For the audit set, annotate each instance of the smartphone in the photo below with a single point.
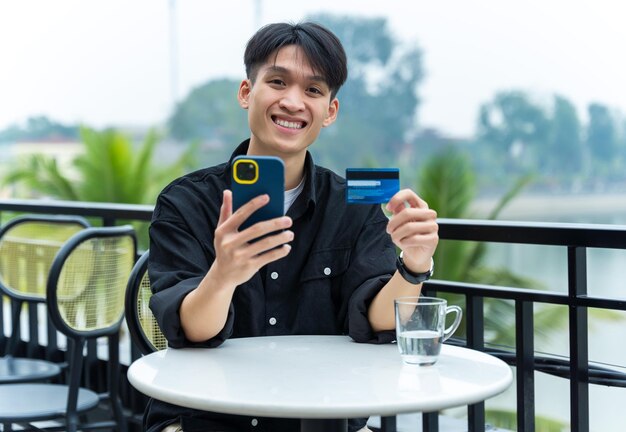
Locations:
(257, 175)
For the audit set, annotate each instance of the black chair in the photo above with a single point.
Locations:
(85, 300)
(28, 245)
(144, 330)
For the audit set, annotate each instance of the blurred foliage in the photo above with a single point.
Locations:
(519, 134)
(447, 182)
(211, 112)
(111, 169)
(601, 135)
(564, 152)
(514, 127)
(604, 141)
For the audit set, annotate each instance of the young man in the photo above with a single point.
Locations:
(331, 269)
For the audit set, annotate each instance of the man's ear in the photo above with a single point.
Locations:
(333, 110)
(243, 94)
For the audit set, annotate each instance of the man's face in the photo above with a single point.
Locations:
(287, 106)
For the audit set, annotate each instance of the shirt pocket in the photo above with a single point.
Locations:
(326, 264)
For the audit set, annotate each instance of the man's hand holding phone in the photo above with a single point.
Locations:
(240, 254)
(238, 257)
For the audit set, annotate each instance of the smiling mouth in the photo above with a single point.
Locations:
(288, 124)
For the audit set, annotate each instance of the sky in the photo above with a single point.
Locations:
(108, 62)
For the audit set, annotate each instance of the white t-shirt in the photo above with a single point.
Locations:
(292, 194)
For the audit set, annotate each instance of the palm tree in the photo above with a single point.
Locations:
(110, 169)
(448, 183)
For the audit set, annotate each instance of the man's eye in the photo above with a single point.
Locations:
(315, 90)
(277, 82)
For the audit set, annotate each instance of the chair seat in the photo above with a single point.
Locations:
(17, 370)
(33, 402)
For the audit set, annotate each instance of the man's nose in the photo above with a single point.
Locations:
(292, 100)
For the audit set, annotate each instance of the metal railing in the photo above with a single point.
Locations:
(575, 238)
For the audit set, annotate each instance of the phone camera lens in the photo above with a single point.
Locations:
(246, 171)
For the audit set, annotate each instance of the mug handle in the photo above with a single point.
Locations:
(457, 320)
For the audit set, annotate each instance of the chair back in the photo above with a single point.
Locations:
(28, 245)
(142, 325)
(87, 282)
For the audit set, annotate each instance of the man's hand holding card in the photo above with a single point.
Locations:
(412, 226)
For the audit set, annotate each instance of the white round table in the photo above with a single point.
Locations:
(316, 377)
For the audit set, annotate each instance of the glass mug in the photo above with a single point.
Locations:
(421, 327)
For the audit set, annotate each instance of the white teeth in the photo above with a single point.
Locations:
(287, 124)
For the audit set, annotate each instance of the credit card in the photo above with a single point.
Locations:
(371, 185)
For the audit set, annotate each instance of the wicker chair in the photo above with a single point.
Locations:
(85, 300)
(28, 245)
(144, 330)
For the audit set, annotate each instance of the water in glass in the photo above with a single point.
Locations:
(419, 346)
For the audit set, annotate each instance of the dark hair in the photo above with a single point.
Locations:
(321, 47)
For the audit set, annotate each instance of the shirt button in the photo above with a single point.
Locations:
(272, 321)
(254, 422)
(274, 275)
(327, 271)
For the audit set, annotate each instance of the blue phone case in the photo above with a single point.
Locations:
(270, 179)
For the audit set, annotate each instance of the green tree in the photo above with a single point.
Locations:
(622, 146)
(515, 129)
(211, 113)
(564, 153)
(601, 134)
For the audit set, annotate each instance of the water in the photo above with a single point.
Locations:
(419, 346)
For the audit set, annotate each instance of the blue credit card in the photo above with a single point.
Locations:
(371, 185)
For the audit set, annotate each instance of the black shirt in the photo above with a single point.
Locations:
(341, 257)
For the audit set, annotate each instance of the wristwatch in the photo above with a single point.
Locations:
(411, 277)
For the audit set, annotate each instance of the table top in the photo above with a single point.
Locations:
(316, 377)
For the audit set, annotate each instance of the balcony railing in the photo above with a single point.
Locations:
(576, 239)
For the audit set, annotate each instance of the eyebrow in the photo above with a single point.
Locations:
(285, 71)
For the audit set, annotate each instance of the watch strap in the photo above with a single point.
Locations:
(412, 277)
